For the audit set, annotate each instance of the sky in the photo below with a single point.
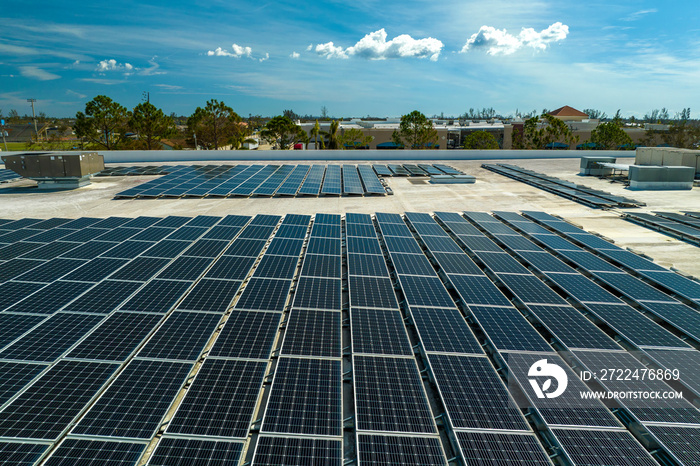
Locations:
(356, 58)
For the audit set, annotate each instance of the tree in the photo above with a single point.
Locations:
(103, 122)
(151, 125)
(610, 135)
(480, 140)
(315, 132)
(216, 125)
(682, 134)
(540, 131)
(353, 138)
(332, 135)
(282, 131)
(324, 112)
(415, 132)
(595, 114)
(291, 115)
(13, 116)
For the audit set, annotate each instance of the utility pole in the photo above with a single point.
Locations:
(36, 131)
(147, 96)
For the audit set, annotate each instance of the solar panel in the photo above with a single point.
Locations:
(291, 231)
(378, 450)
(264, 294)
(323, 230)
(95, 270)
(206, 248)
(15, 376)
(508, 329)
(474, 395)
(321, 265)
(457, 263)
(444, 330)
(291, 451)
(89, 250)
(351, 180)
(360, 230)
(203, 221)
(389, 396)
(47, 236)
(544, 262)
(396, 229)
(382, 170)
(245, 247)
(412, 264)
(228, 388)
(632, 287)
(572, 328)
(47, 408)
(501, 262)
(232, 221)
(104, 297)
(122, 233)
(530, 289)
(136, 401)
(49, 299)
(284, 247)
(182, 336)
(312, 183)
(384, 218)
(305, 398)
(327, 219)
(130, 249)
(370, 181)
(21, 454)
(332, 181)
(318, 293)
(377, 331)
(247, 334)
(231, 267)
(682, 442)
(116, 338)
(185, 452)
(74, 451)
(291, 185)
(277, 267)
(12, 326)
(373, 292)
(359, 246)
(51, 338)
(157, 296)
(140, 269)
(479, 243)
(312, 333)
(684, 360)
(210, 295)
(185, 268)
(187, 233)
(50, 270)
(501, 449)
(425, 291)
(474, 289)
(367, 265)
(17, 249)
(151, 234)
(591, 447)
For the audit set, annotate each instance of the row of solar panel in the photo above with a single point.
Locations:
(362, 232)
(580, 193)
(259, 180)
(685, 227)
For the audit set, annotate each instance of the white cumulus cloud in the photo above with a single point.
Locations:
(375, 46)
(500, 42)
(113, 65)
(294, 55)
(237, 51)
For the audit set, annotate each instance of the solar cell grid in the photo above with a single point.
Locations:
(245, 247)
(142, 222)
(326, 219)
(293, 182)
(182, 336)
(18, 235)
(152, 234)
(291, 231)
(360, 230)
(508, 329)
(518, 243)
(49, 251)
(16, 267)
(501, 262)
(596, 447)
(206, 248)
(265, 220)
(321, 265)
(123, 331)
(257, 232)
(318, 293)
(305, 398)
(395, 229)
(312, 333)
(429, 229)
(389, 396)
(232, 221)
(186, 268)
(382, 449)
(425, 291)
(15, 376)
(203, 221)
(231, 267)
(92, 452)
(680, 441)
(130, 249)
(264, 294)
(136, 401)
(351, 180)
(530, 289)
(321, 230)
(89, 250)
(474, 289)
(582, 289)
(400, 244)
(444, 331)
(104, 297)
(372, 292)
(312, 183)
(412, 264)
(13, 292)
(51, 298)
(572, 328)
(51, 338)
(95, 270)
(290, 451)
(479, 243)
(111, 222)
(47, 236)
(21, 454)
(633, 287)
(122, 233)
(379, 332)
(210, 295)
(186, 452)
(677, 283)
(50, 404)
(367, 265)
(441, 244)
(221, 400)
(187, 233)
(282, 267)
(140, 269)
(157, 296)
(50, 270)
(545, 262)
(359, 246)
(17, 249)
(370, 181)
(332, 181)
(247, 334)
(501, 449)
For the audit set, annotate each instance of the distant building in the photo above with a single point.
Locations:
(567, 113)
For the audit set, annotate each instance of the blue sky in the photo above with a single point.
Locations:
(364, 57)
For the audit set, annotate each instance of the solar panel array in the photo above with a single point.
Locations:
(7, 175)
(250, 180)
(576, 192)
(685, 227)
(316, 340)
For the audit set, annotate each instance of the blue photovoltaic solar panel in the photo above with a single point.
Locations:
(501, 449)
(332, 181)
(400, 244)
(312, 183)
(412, 264)
(200, 452)
(245, 247)
(50, 404)
(361, 245)
(457, 263)
(284, 247)
(501, 262)
(367, 264)
(324, 230)
(206, 248)
(186, 268)
(12, 326)
(305, 398)
(318, 293)
(79, 452)
(270, 185)
(229, 388)
(21, 454)
(321, 265)
(327, 219)
(291, 451)
(508, 329)
(51, 270)
(264, 294)
(683, 442)
(157, 296)
(360, 230)
(360, 219)
(233, 221)
(376, 331)
(187, 233)
(370, 180)
(130, 249)
(382, 170)
(89, 250)
(351, 180)
(444, 331)
(136, 401)
(425, 291)
(210, 295)
(140, 269)
(379, 450)
(247, 334)
(530, 289)
(474, 395)
(572, 328)
(617, 447)
(13, 250)
(372, 292)
(282, 267)
(116, 338)
(293, 182)
(51, 298)
(182, 336)
(384, 218)
(312, 333)
(389, 396)
(13, 292)
(291, 231)
(15, 376)
(582, 289)
(231, 267)
(95, 270)
(51, 338)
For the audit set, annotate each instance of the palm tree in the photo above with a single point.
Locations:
(315, 131)
(332, 134)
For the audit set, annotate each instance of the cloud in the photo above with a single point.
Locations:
(374, 46)
(37, 73)
(168, 87)
(75, 94)
(112, 65)
(153, 69)
(637, 15)
(500, 42)
(294, 55)
(236, 52)
(266, 57)
(106, 82)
